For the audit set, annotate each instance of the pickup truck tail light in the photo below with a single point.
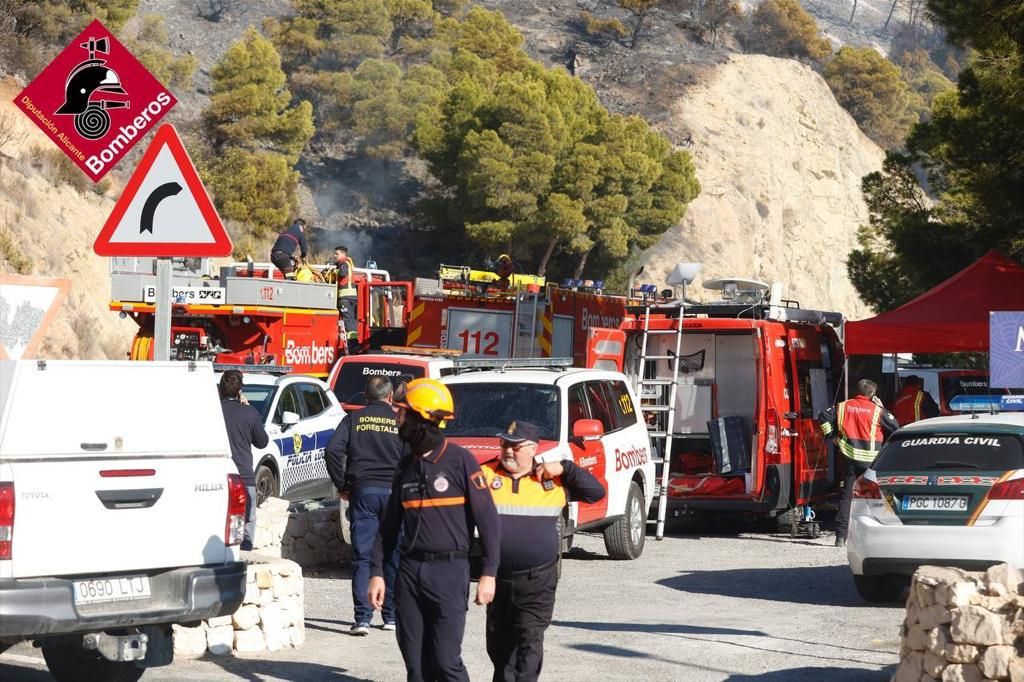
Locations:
(6, 519)
(234, 527)
(866, 489)
(1007, 490)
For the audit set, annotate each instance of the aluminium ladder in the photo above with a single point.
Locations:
(525, 324)
(665, 407)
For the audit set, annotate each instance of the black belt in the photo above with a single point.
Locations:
(528, 572)
(437, 556)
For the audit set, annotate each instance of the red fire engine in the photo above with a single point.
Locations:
(250, 314)
(731, 391)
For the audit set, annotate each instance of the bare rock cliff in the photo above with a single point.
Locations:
(780, 165)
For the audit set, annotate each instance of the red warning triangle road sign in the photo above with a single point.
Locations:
(164, 210)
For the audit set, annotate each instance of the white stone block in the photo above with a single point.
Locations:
(277, 639)
(1017, 670)
(219, 621)
(994, 662)
(962, 672)
(266, 597)
(975, 625)
(917, 639)
(272, 505)
(252, 593)
(934, 664)
(246, 617)
(249, 641)
(1008, 576)
(189, 642)
(934, 616)
(270, 618)
(220, 639)
(264, 577)
(297, 635)
(911, 668)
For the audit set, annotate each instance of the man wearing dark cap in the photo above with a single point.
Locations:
(530, 497)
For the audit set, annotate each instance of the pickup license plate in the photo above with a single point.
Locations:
(103, 590)
(950, 503)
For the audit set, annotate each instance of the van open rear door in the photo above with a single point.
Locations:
(606, 349)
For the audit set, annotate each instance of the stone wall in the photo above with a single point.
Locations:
(270, 618)
(308, 533)
(963, 627)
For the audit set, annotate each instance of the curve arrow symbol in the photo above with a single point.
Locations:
(168, 189)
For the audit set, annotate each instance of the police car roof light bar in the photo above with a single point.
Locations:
(252, 369)
(510, 363)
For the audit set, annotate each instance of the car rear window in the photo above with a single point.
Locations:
(936, 451)
(486, 409)
(352, 378)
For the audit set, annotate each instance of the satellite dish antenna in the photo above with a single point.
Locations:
(738, 289)
(681, 275)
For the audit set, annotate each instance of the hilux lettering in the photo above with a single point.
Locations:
(208, 487)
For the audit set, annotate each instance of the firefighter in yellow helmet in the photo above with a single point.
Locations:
(439, 495)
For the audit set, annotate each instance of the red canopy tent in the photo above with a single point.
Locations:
(951, 317)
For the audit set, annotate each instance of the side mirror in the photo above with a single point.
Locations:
(289, 419)
(587, 429)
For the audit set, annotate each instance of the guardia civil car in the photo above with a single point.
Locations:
(947, 491)
(300, 414)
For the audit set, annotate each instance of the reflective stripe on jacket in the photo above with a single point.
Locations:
(859, 426)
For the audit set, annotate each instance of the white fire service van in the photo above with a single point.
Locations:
(589, 416)
(120, 511)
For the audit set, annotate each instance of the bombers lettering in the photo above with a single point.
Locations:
(951, 440)
(307, 355)
(589, 319)
(127, 133)
(631, 458)
(380, 372)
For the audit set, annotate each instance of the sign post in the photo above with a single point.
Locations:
(164, 212)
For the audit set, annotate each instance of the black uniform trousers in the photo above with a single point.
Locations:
(853, 471)
(431, 599)
(524, 602)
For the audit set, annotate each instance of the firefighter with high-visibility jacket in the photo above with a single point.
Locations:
(859, 426)
(348, 295)
(913, 403)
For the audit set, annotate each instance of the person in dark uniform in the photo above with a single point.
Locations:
(282, 253)
(347, 293)
(859, 426)
(438, 497)
(245, 429)
(530, 498)
(361, 458)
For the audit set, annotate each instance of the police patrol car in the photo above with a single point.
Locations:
(589, 416)
(947, 491)
(300, 414)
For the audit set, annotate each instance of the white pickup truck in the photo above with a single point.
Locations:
(120, 511)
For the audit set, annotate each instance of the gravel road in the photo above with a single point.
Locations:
(703, 607)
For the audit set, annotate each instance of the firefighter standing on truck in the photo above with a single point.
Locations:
(347, 294)
(361, 458)
(438, 496)
(859, 425)
(282, 253)
(530, 498)
(913, 403)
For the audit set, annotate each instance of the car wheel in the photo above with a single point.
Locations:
(880, 589)
(266, 484)
(69, 662)
(625, 538)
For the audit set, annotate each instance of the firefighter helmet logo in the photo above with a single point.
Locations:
(88, 89)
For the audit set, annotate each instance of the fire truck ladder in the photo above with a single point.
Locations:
(525, 324)
(664, 410)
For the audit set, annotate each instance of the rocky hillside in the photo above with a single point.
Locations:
(779, 161)
(780, 165)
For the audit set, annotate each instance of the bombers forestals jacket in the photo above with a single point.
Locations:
(365, 449)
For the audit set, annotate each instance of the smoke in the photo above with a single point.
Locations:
(360, 245)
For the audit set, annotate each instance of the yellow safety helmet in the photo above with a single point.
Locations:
(429, 398)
